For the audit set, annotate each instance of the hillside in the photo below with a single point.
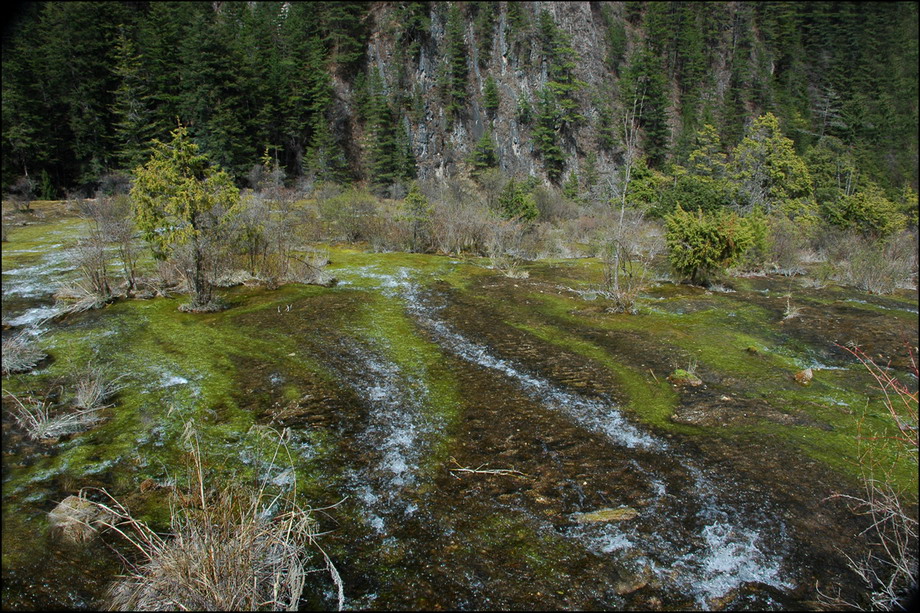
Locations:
(383, 92)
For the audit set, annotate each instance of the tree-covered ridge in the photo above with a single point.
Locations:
(380, 92)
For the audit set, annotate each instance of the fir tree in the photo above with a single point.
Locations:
(455, 58)
(490, 95)
(131, 110)
(483, 155)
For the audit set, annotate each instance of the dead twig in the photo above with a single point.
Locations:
(479, 470)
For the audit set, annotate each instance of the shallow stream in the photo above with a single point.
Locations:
(481, 442)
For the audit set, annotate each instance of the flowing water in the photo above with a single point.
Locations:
(697, 543)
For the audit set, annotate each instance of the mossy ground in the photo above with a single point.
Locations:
(267, 363)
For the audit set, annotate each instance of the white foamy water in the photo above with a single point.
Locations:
(34, 316)
(396, 437)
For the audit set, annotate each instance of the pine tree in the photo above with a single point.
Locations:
(133, 124)
(484, 155)
(546, 127)
(455, 57)
(767, 169)
(516, 203)
(417, 212)
(484, 27)
(646, 82)
(490, 95)
(182, 198)
(346, 33)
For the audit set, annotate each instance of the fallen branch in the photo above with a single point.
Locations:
(479, 470)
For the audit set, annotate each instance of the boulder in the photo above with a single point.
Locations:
(73, 518)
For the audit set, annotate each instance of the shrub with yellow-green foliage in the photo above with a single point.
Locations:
(867, 211)
(701, 244)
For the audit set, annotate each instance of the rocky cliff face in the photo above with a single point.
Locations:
(440, 145)
(519, 69)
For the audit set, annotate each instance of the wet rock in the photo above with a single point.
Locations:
(804, 377)
(73, 519)
(634, 582)
(623, 513)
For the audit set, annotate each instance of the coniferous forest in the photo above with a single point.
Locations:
(351, 91)
(460, 305)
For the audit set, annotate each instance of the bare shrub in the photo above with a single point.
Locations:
(21, 193)
(113, 184)
(461, 218)
(889, 571)
(504, 247)
(92, 261)
(345, 213)
(627, 250)
(21, 354)
(385, 230)
(786, 244)
(882, 267)
(553, 206)
(238, 550)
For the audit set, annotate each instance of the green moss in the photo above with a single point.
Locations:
(650, 401)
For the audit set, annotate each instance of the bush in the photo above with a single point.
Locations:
(700, 244)
(786, 243)
(692, 192)
(881, 267)
(347, 213)
(867, 211)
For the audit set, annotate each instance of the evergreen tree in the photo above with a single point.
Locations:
(547, 124)
(484, 155)
(455, 58)
(346, 33)
(182, 198)
(767, 169)
(484, 27)
(516, 203)
(417, 212)
(134, 128)
(645, 82)
(707, 158)
(490, 95)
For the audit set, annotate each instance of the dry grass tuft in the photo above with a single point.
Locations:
(94, 388)
(234, 550)
(20, 354)
(37, 419)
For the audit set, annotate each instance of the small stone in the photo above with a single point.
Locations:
(804, 377)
